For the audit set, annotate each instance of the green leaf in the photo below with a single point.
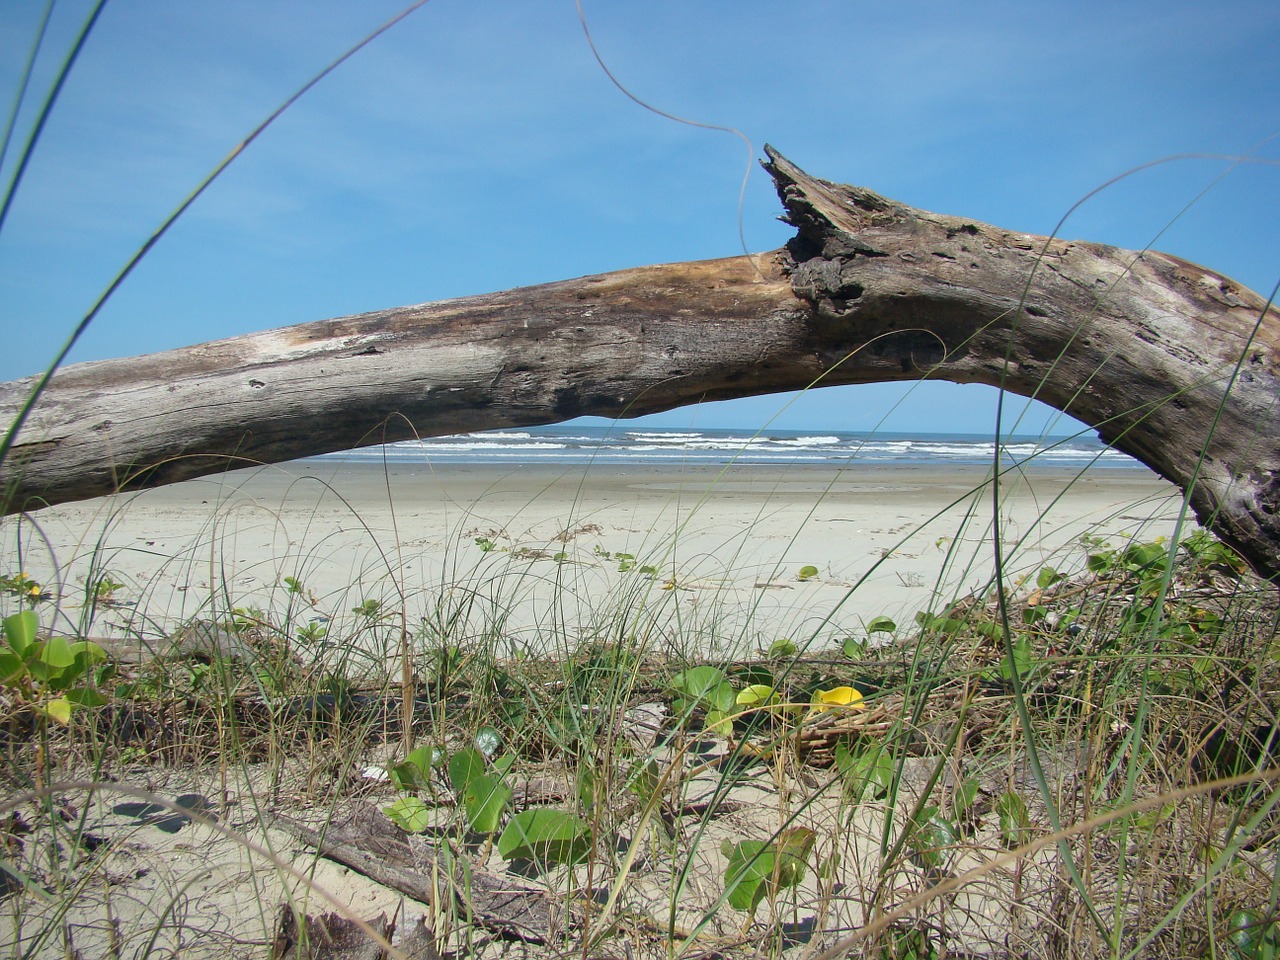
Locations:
(63, 663)
(719, 723)
(853, 648)
(464, 766)
(1021, 650)
(425, 757)
(912, 944)
(807, 572)
(697, 682)
(1047, 577)
(644, 778)
(881, 625)
(752, 673)
(545, 836)
(756, 695)
(869, 770)
(877, 772)
(760, 868)
(587, 788)
(414, 772)
(932, 838)
(1015, 822)
(702, 686)
(485, 799)
(87, 697)
(1250, 936)
(412, 815)
(57, 654)
(40, 668)
(827, 868)
(723, 697)
(782, 650)
(1034, 615)
(948, 625)
(407, 777)
(12, 668)
(966, 793)
(20, 631)
(1146, 556)
(89, 650)
(747, 873)
(793, 847)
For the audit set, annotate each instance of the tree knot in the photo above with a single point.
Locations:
(825, 253)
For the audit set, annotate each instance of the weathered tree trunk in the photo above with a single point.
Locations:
(1172, 363)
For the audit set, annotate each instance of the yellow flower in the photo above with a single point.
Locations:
(847, 698)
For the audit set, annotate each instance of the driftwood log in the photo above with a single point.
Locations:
(1172, 363)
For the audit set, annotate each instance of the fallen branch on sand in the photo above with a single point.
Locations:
(371, 844)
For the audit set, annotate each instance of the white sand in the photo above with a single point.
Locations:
(885, 541)
(728, 545)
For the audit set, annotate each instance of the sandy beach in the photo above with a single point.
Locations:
(340, 557)
(542, 557)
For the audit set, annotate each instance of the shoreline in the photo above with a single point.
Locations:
(537, 557)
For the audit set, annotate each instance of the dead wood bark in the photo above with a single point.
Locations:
(329, 936)
(371, 844)
(1171, 362)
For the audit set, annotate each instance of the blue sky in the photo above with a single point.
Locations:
(478, 146)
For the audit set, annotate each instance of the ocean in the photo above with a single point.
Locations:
(621, 444)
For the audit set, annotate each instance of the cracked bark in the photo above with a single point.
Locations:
(1171, 362)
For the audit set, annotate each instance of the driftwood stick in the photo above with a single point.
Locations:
(371, 844)
(1171, 362)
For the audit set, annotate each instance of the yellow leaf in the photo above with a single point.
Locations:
(58, 710)
(847, 697)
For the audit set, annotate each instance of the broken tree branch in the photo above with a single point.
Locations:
(1172, 363)
(371, 844)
